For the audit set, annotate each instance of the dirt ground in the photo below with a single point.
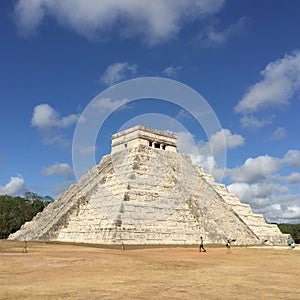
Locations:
(51, 271)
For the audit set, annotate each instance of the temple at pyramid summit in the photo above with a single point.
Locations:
(146, 192)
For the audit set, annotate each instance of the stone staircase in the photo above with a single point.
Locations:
(142, 195)
(255, 222)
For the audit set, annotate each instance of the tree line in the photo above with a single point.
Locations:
(15, 211)
(292, 229)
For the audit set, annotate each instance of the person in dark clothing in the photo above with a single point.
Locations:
(228, 244)
(201, 247)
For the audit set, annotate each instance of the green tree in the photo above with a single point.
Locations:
(15, 211)
(292, 229)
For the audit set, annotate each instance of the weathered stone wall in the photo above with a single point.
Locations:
(142, 135)
(143, 195)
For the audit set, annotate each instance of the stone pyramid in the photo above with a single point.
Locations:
(145, 192)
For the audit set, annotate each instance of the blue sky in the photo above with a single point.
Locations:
(243, 57)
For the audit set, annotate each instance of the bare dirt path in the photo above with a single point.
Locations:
(50, 271)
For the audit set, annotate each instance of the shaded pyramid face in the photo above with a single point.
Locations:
(145, 194)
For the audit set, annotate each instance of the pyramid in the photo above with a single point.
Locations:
(145, 192)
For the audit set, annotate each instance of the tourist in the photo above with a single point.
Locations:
(293, 245)
(201, 247)
(228, 244)
(289, 242)
(25, 247)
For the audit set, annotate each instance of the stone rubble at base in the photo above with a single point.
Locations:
(145, 192)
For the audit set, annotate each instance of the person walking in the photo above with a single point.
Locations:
(228, 244)
(201, 246)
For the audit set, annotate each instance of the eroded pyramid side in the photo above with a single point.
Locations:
(147, 193)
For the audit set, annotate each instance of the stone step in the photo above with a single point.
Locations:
(132, 196)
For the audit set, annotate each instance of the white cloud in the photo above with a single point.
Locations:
(292, 212)
(15, 186)
(29, 15)
(256, 193)
(107, 105)
(231, 140)
(251, 122)
(49, 139)
(201, 152)
(154, 21)
(211, 37)
(172, 71)
(219, 141)
(281, 79)
(44, 116)
(292, 158)
(63, 170)
(187, 145)
(278, 134)
(255, 169)
(259, 182)
(292, 178)
(59, 169)
(50, 124)
(269, 199)
(117, 72)
(284, 213)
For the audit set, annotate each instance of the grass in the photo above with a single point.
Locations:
(66, 271)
